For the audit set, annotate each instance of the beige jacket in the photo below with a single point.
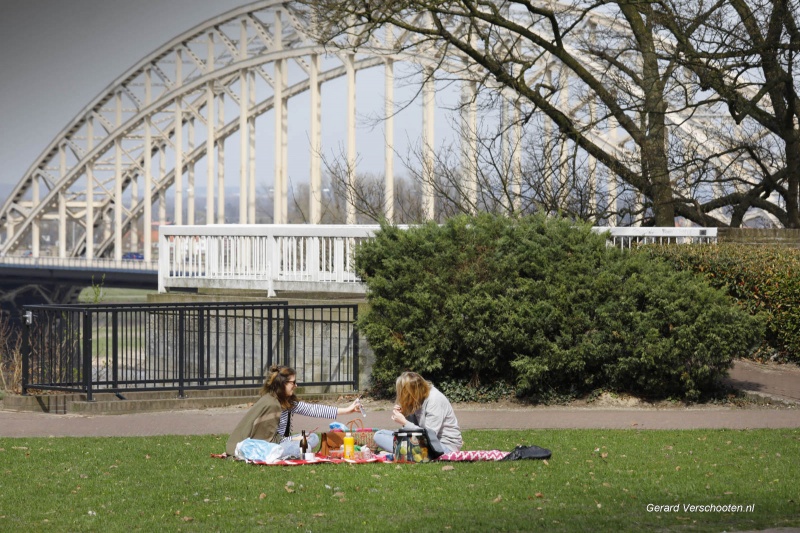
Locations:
(260, 422)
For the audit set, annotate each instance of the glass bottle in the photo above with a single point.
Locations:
(304, 443)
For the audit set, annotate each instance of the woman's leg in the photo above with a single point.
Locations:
(291, 445)
(384, 439)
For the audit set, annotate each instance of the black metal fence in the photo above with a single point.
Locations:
(153, 347)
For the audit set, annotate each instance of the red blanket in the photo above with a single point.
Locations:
(473, 455)
(298, 462)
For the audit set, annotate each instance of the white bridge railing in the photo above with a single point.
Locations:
(627, 237)
(307, 258)
(269, 257)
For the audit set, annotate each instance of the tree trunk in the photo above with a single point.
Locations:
(793, 180)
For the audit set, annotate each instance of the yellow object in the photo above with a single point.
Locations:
(349, 446)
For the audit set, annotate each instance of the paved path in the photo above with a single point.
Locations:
(776, 381)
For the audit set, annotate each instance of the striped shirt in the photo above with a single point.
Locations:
(306, 409)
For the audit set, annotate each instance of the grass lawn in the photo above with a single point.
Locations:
(597, 480)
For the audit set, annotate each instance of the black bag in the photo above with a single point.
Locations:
(410, 446)
(435, 449)
(528, 452)
(416, 446)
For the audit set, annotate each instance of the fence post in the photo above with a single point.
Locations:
(201, 347)
(355, 348)
(270, 355)
(114, 349)
(181, 353)
(286, 336)
(87, 354)
(26, 351)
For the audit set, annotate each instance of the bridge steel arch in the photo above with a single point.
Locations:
(118, 157)
(155, 128)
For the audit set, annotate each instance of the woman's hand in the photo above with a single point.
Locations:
(352, 408)
(398, 416)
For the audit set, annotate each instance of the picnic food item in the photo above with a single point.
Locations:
(336, 453)
(349, 446)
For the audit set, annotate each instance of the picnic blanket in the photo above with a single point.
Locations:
(298, 462)
(474, 455)
(471, 456)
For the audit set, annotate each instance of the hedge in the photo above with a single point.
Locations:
(544, 305)
(764, 279)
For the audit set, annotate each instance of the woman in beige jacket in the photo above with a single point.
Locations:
(270, 418)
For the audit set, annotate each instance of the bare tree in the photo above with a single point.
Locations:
(745, 54)
(367, 196)
(596, 70)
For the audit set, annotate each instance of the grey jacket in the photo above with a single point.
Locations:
(437, 414)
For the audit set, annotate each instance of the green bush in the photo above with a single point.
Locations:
(461, 391)
(765, 280)
(542, 303)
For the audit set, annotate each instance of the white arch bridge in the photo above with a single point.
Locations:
(154, 149)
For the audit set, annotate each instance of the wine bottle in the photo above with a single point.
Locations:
(304, 443)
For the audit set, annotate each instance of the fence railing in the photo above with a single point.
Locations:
(297, 257)
(155, 347)
(629, 237)
(305, 257)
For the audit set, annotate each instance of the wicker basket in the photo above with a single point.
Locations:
(362, 436)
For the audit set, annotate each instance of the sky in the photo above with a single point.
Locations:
(58, 55)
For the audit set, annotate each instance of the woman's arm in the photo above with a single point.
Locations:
(324, 411)
(352, 408)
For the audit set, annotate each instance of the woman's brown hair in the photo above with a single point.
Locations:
(412, 390)
(275, 384)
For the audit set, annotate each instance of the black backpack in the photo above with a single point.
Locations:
(528, 452)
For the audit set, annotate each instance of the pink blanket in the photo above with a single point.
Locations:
(474, 455)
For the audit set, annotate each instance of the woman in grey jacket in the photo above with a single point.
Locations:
(421, 405)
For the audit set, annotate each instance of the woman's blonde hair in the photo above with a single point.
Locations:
(412, 390)
(275, 384)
